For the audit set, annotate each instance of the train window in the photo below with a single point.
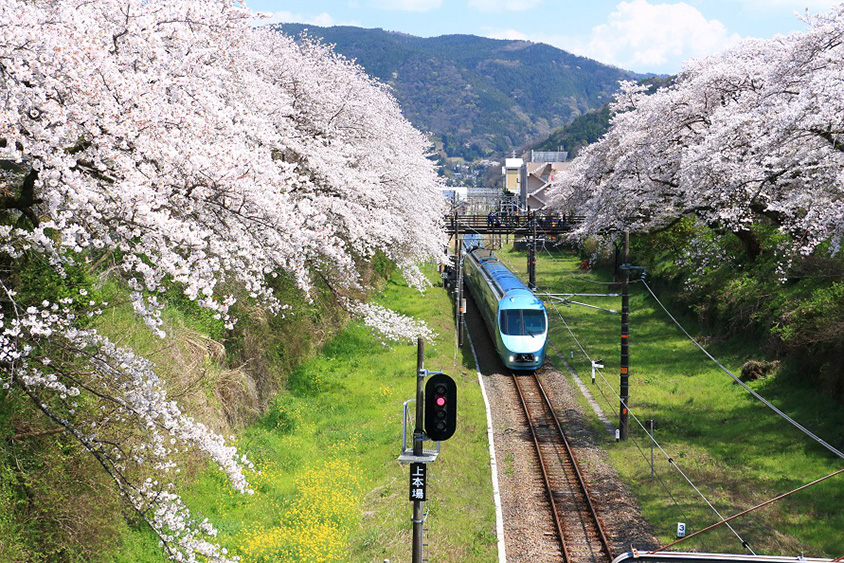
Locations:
(534, 321)
(519, 322)
(511, 322)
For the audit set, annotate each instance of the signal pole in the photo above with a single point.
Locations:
(624, 391)
(418, 438)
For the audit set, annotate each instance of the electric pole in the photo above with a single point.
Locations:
(531, 265)
(458, 280)
(624, 386)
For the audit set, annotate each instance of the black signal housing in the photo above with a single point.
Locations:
(440, 407)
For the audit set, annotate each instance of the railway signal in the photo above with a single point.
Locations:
(440, 407)
(436, 411)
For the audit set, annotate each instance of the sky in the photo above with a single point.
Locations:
(639, 35)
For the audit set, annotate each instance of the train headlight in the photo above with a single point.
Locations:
(512, 359)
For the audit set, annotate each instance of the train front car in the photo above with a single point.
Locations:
(516, 319)
(522, 324)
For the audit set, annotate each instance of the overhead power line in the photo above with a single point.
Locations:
(751, 509)
(649, 434)
(767, 403)
(723, 521)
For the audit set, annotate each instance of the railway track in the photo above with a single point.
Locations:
(578, 527)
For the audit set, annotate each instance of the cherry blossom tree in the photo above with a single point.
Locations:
(755, 133)
(193, 149)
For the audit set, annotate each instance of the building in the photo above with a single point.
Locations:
(512, 172)
(536, 175)
(455, 193)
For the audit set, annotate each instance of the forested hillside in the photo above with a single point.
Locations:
(589, 127)
(584, 130)
(478, 97)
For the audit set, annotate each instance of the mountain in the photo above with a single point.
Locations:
(584, 130)
(590, 127)
(477, 97)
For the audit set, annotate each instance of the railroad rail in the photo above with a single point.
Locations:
(578, 526)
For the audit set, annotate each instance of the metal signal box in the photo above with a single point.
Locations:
(440, 407)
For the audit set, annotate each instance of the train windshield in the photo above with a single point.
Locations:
(520, 322)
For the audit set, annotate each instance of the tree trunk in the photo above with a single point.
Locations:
(751, 244)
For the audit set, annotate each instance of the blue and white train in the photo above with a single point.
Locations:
(516, 319)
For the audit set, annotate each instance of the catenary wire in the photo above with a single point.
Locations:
(586, 354)
(751, 509)
(615, 413)
(723, 521)
(668, 457)
(767, 403)
(759, 397)
(657, 444)
(635, 442)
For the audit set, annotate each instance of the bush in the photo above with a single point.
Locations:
(56, 503)
(753, 370)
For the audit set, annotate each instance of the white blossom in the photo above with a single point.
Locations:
(390, 324)
(197, 152)
(754, 133)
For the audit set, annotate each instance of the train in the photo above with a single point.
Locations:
(516, 318)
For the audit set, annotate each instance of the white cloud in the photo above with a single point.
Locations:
(655, 37)
(510, 34)
(408, 5)
(503, 5)
(640, 36)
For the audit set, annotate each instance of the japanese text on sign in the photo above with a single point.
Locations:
(418, 481)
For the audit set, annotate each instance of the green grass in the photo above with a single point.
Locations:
(737, 451)
(330, 487)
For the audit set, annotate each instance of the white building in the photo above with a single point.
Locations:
(456, 193)
(512, 172)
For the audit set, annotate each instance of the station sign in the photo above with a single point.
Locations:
(418, 482)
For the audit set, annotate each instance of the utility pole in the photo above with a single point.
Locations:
(456, 235)
(623, 425)
(458, 280)
(418, 438)
(461, 302)
(531, 265)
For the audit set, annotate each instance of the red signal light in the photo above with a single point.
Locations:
(440, 401)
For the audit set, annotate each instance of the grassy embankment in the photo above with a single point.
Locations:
(737, 451)
(330, 487)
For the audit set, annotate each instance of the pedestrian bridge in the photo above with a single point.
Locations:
(549, 225)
